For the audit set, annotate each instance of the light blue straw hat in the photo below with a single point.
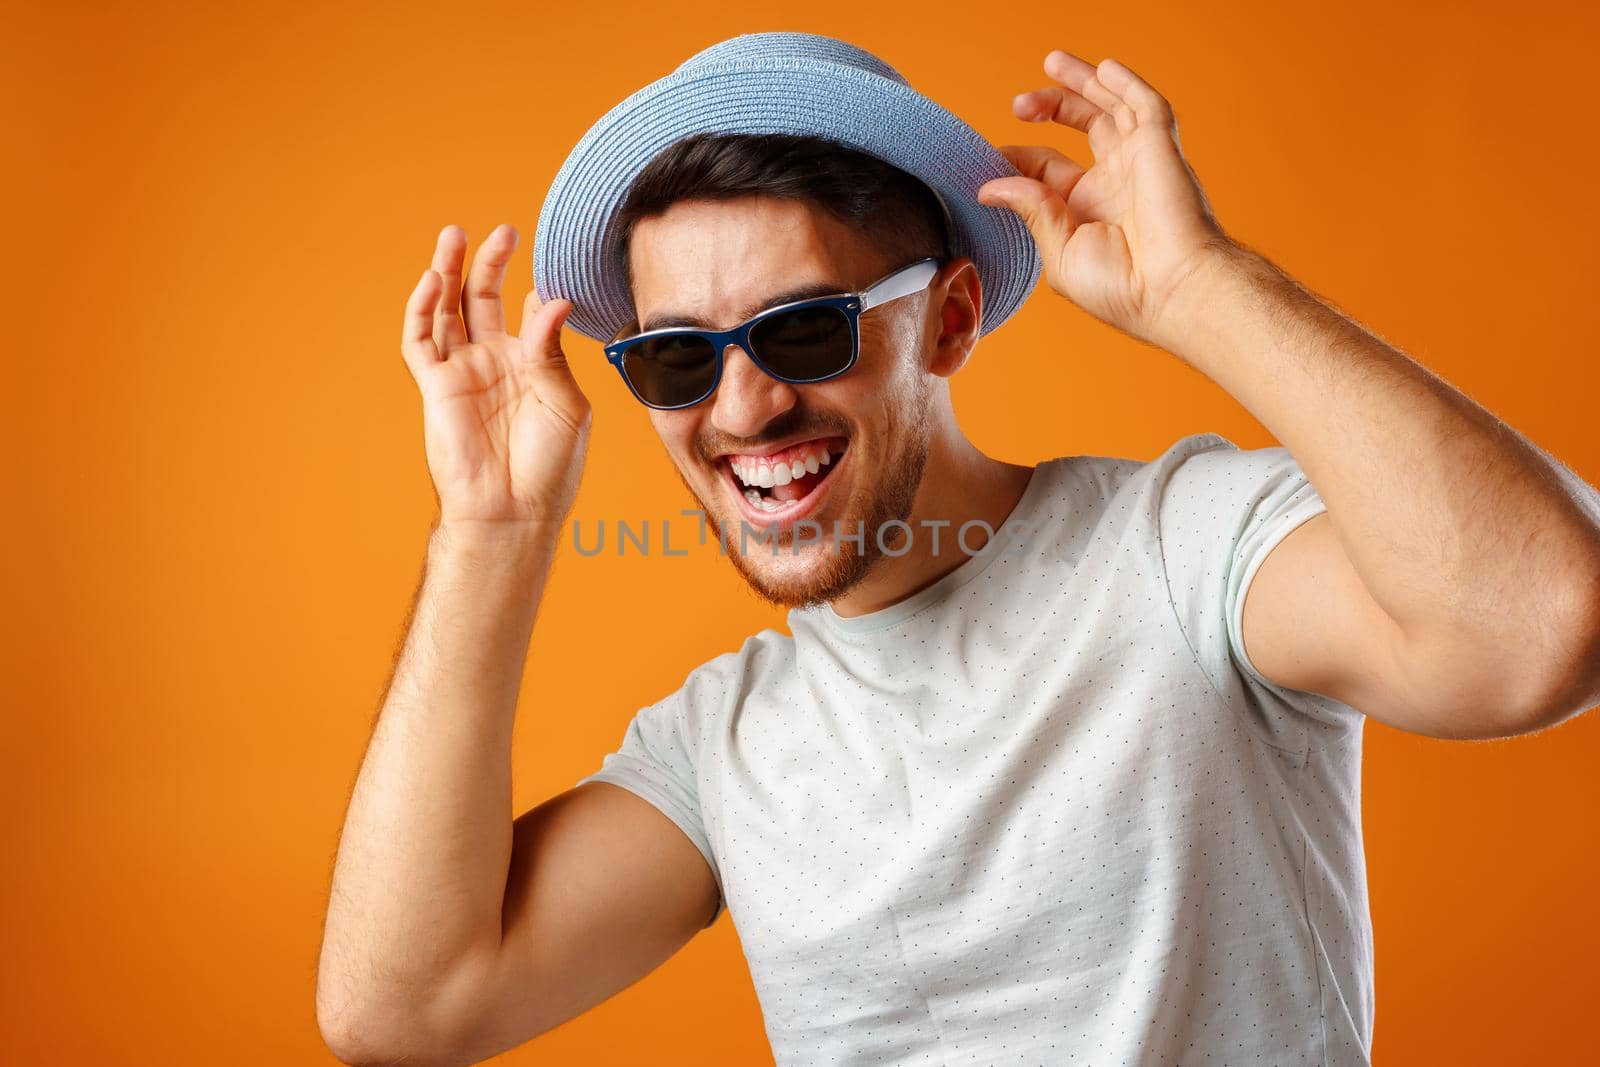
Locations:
(798, 83)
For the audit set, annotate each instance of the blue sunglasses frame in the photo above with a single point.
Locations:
(912, 278)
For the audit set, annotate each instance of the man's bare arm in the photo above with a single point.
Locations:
(1465, 559)
(421, 871)
(454, 932)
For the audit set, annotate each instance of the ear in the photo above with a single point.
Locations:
(955, 310)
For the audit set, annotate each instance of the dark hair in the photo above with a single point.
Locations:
(893, 209)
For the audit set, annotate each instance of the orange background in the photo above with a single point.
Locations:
(217, 498)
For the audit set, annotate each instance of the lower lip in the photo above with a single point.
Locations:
(796, 510)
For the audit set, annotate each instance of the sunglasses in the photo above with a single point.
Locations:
(801, 342)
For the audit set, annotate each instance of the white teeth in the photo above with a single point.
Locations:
(762, 502)
(753, 472)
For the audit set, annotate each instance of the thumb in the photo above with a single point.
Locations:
(1041, 209)
(540, 335)
(543, 358)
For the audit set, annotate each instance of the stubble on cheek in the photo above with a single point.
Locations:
(885, 472)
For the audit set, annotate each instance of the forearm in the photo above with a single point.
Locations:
(420, 876)
(1469, 536)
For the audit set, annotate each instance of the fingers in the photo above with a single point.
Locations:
(1081, 77)
(1113, 88)
(448, 329)
(481, 298)
(540, 340)
(417, 346)
(1090, 91)
(1046, 165)
(1056, 103)
(1148, 105)
(1082, 101)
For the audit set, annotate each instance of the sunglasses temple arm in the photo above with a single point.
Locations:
(903, 282)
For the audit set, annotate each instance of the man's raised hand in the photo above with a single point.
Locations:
(1121, 236)
(505, 424)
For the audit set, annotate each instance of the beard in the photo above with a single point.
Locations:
(826, 570)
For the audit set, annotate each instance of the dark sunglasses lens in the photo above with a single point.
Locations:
(672, 370)
(805, 344)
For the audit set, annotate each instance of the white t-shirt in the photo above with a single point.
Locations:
(1043, 811)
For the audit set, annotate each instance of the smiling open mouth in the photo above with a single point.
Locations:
(778, 481)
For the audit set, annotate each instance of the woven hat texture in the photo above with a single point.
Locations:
(779, 82)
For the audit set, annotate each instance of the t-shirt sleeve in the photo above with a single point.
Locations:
(1222, 510)
(655, 761)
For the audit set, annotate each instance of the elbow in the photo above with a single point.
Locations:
(1500, 686)
(355, 1043)
(1570, 702)
(369, 1015)
(356, 1037)
(363, 1030)
(351, 1039)
(1569, 683)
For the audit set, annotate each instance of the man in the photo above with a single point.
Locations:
(1022, 796)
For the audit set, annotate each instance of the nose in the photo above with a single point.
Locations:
(747, 398)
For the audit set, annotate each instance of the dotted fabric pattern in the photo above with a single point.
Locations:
(1040, 812)
(778, 82)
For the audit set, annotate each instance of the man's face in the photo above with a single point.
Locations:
(859, 441)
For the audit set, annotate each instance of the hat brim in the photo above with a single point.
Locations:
(572, 255)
